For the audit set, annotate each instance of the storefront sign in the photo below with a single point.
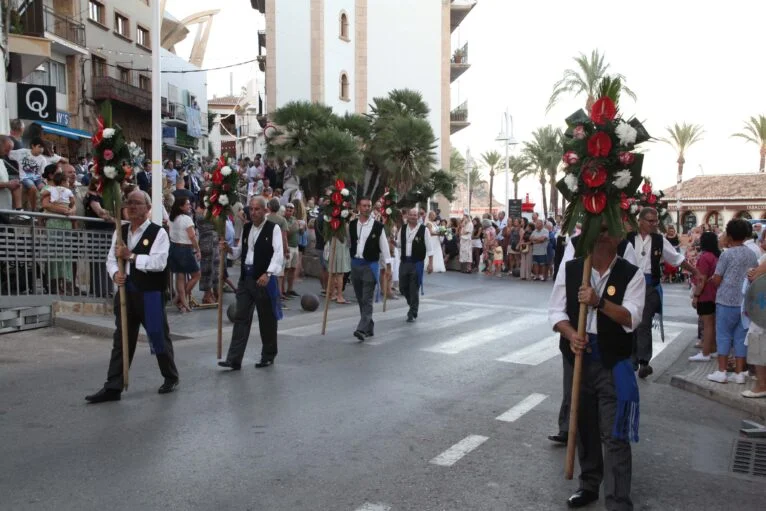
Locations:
(36, 102)
(62, 118)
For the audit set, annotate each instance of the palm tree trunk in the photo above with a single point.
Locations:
(554, 194)
(679, 184)
(491, 184)
(515, 189)
(762, 165)
(545, 198)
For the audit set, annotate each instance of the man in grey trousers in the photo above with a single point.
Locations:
(415, 244)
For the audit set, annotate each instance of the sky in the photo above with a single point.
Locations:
(691, 61)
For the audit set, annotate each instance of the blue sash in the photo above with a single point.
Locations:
(374, 267)
(272, 288)
(154, 317)
(658, 286)
(419, 271)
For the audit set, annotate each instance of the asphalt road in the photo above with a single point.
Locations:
(450, 413)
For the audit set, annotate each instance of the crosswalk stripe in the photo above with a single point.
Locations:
(534, 354)
(658, 346)
(430, 324)
(369, 506)
(486, 335)
(349, 322)
(523, 407)
(457, 451)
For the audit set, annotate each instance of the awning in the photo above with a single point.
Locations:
(64, 131)
(177, 148)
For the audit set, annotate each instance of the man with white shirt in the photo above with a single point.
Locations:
(608, 412)
(651, 247)
(502, 222)
(367, 242)
(415, 244)
(10, 186)
(145, 254)
(262, 255)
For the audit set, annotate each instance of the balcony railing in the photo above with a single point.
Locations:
(106, 87)
(459, 113)
(176, 111)
(36, 19)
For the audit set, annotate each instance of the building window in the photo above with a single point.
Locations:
(714, 219)
(121, 25)
(145, 82)
(142, 37)
(688, 221)
(96, 11)
(50, 73)
(124, 74)
(344, 26)
(344, 92)
(98, 66)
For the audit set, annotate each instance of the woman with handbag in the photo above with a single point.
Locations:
(525, 248)
(512, 237)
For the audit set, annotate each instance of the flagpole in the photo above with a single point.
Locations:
(331, 267)
(156, 113)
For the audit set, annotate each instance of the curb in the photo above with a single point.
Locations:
(84, 327)
(756, 407)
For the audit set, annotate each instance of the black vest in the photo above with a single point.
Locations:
(149, 280)
(655, 254)
(620, 248)
(614, 342)
(418, 243)
(371, 251)
(263, 249)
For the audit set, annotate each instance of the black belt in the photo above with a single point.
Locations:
(248, 270)
(411, 260)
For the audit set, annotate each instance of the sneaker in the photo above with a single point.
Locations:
(740, 378)
(718, 377)
(699, 357)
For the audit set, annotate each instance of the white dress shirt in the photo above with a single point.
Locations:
(643, 251)
(501, 226)
(569, 253)
(633, 300)
(363, 230)
(155, 261)
(409, 236)
(275, 265)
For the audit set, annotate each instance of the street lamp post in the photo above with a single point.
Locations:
(468, 166)
(506, 136)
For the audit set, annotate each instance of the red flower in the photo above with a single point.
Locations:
(95, 169)
(603, 110)
(570, 158)
(339, 185)
(226, 187)
(337, 198)
(594, 202)
(214, 197)
(336, 211)
(647, 188)
(335, 224)
(217, 210)
(651, 199)
(626, 159)
(108, 154)
(594, 176)
(624, 202)
(98, 136)
(217, 177)
(599, 144)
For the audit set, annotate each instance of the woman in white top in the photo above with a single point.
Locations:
(436, 244)
(184, 252)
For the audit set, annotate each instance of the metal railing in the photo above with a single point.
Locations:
(459, 113)
(42, 260)
(106, 87)
(461, 55)
(36, 19)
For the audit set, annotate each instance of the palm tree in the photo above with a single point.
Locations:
(456, 163)
(491, 159)
(680, 139)
(519, 167)
(755, 132)
(544, 153)
(476, 181)
(585, 80)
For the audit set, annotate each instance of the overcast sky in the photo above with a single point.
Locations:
(687, 61)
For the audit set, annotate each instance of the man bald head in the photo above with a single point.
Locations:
(70, 174)
(412, 217)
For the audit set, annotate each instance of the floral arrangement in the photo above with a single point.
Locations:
(337, 210)
(647, 197)
(137, 156)
(602, 169)
(390, 214)
(221, 195)
(111, 162)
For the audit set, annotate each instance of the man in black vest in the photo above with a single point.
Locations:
(145, 254)
(367, 243)
(415, 245)
(651, 248)
(608, 409)
(261, 253)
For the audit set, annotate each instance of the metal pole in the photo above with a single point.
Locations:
(156, 114)
(507, 162)
(679, 183)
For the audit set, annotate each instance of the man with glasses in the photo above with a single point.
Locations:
(145, 254)
(651, 248)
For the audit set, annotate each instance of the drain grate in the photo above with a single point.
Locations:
(749, 458)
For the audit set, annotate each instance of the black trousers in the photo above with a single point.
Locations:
(251, 297)
(409, 286)
(135, 310)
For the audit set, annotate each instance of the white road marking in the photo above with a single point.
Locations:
(523, 407)
(534, 354)
(657, 345)
(429, 325)
(369, 506)
(457, 451)
(486, 335)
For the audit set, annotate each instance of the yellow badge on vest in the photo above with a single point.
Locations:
(611, 290)
(146, 243)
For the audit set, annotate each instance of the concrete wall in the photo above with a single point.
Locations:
(292, 54)
(339, 55)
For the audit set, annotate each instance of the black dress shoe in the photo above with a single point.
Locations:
(168, 387)
(560, 438)
(410, 318)
(645, 370)
(292, 293)
(104, 395)
(582, 498)
(359, 335)
(233, 367)
(264, 363)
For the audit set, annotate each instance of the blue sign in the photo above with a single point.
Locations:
(168, 132)
(62, 118)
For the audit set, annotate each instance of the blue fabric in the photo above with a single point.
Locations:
(154, 324)
(419, 271)
(658, 286)
(729, 331)
(272, 288)
(375, 268)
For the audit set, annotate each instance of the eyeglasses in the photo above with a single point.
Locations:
(135, 203)
(655, 221)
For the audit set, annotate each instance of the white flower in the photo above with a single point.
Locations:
(108, 132)
(223, 200)
(326, 218)
(622, 179)
(389, 211)
(226, 171)
(634, 208)
(344, 213)
(571, 181)
(344, 192)
(132, 145)
(626, 133)
(110, 172)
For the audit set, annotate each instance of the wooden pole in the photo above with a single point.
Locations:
(576, 378)
(221, 269)
(123, 304)
(384, 285)
(329, 284)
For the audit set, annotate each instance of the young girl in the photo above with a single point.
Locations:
(497, 261)
(61, 194)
